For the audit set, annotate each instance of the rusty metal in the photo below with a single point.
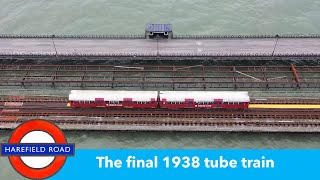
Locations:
(295, 74)
(162, 113)
(173, 77)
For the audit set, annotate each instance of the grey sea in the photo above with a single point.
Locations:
(128, 17)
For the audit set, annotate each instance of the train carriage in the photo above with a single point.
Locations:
(204, 99)
(113, 99)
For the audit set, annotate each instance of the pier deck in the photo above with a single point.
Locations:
(164, 47)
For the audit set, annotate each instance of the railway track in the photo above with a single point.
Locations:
(179, 123)
(61, 106)
(167, 114)
(52, 99)
(57, 106)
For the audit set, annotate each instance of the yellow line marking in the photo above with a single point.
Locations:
(10, 110)
(284, 106)
(13, 103)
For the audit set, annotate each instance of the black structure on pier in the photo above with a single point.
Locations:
(159, 30)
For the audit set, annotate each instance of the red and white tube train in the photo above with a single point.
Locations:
(159, 99)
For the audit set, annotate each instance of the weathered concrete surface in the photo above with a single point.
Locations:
(163, 47)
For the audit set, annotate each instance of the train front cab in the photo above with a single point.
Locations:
(202, 105)
(126, 103)
(98, 102)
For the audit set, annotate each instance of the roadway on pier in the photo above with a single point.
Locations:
(252, 46)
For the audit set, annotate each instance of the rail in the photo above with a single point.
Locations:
(160, 77)
(186, 114)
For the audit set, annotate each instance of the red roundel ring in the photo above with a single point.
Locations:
(37, 125)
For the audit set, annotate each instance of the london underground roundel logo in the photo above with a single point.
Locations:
(37, 149)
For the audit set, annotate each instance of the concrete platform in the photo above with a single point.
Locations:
(168, 47)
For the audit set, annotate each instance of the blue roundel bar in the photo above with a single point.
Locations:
(43, 149)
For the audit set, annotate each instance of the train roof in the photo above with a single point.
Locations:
(91, 95)
(205, 96)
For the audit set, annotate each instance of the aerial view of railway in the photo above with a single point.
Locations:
(191, 87)
(161, 81)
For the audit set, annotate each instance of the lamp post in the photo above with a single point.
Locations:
(157, 37)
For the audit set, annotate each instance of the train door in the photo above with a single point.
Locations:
(100, 102)
(217, 103)
(127, 103)
(189, 103)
